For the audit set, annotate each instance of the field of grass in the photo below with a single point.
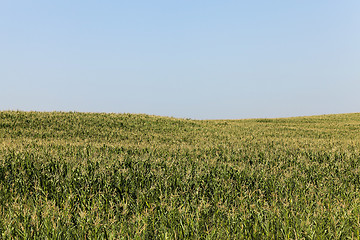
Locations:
(122, 176)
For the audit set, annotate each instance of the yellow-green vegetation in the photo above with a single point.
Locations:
(122, 176)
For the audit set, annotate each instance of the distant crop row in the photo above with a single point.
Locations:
(123, 176)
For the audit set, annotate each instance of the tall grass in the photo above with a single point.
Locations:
(123, 176)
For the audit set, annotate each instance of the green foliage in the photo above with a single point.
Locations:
(123, 176)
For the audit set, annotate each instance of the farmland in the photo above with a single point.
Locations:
(129, 176)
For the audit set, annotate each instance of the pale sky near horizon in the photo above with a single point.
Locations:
(187, 59)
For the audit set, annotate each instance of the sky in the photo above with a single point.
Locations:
(186, 59)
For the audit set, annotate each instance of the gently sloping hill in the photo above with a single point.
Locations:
(87, 175)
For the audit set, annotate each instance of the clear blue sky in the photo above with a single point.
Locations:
(188, 59)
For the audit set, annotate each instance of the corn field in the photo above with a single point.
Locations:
(130, 176)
